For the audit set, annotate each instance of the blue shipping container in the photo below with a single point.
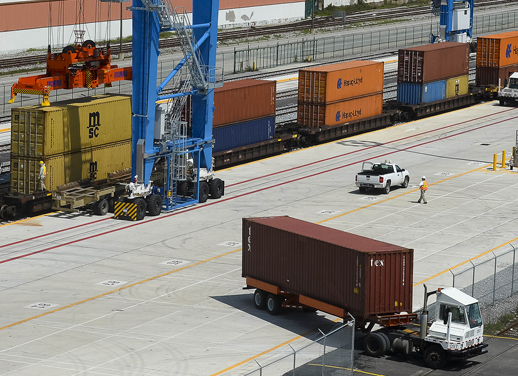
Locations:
(411, 93)
(241, 134)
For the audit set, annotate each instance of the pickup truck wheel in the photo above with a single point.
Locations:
(273, 304)
(405, 183)
(375, 344)
(435, 357)
(386, 190)
(362, 189)
(101, 207)
(259, 299)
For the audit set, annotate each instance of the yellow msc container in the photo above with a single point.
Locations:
(70, 126)
(457, 86)
(94, 164)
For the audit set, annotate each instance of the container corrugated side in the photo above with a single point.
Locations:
(457, 86)
(362, 275)
(433, 62)
(336, 82)
(489, 76)
(234, 135)
(70, 126)
(318, 115)
(242, 100)
(497, 50)
(94, 164)
(416, 93)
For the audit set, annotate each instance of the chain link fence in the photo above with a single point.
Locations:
(350, 44)
(314, 354)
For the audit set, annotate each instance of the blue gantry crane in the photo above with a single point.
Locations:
(456, 20)
(162, 140)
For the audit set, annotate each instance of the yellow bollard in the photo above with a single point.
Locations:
(255, 66)
(503, 158)
(494, 162)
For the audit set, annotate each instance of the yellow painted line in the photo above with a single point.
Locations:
(5, 129)
(288, 79)
(119, 289)
(27, 219)
(348, 369)
(490, 336)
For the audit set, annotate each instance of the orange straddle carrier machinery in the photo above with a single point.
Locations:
(80, 66)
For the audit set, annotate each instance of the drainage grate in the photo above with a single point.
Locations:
(485, 144)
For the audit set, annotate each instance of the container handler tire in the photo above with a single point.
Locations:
(386, 190)
(375, 344)
(216, 188)
(141, 208)
(405, 183)
(273, 304)
(154, 205)
(204, 192)
(259, 299)
(183, 188)
(435, 356)
(101, 207)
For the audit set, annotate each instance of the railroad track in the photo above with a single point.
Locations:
(253, 32)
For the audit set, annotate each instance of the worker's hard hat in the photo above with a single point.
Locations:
(424, 177)
(41, 162)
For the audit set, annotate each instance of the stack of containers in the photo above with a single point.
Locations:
(432, 72)
(340, 93)
(78, 139)
(497, 58)
(244, 113)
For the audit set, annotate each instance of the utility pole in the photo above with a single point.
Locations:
(313, 16)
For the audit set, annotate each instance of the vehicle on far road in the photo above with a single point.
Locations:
(509, 94)
(381, 176)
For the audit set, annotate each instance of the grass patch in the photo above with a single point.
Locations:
(11, 72)
(361, 6)
(502, 323)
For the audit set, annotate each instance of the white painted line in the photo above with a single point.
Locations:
(41, 305)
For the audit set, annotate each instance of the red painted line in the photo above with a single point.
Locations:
(250, 192)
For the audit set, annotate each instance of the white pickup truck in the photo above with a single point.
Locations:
(381, 176)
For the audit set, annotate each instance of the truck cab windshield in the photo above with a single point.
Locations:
(457, 314)
(474, 317)
(513, 83)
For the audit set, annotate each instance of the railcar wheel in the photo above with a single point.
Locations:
(273, 304)
(405, 183)
(259, 299)
(435, 357)
(141, 208)
(386, 190)
(154, 205)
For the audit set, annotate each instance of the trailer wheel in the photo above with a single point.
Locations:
(216, 188)
(386, 190)
(259, 299)
(273, 304)
(154, 205)
(204, 192)
(101, 207)
(405, 183)
(375, 344)
(141, 208)
(435, 356)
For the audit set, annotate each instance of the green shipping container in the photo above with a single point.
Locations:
(457, 86)
(94, 164)
(70, 126)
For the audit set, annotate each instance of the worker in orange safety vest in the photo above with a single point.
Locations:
(423, 187)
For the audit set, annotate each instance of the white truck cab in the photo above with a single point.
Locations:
(509, 94)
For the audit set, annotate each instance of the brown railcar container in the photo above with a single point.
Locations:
(433, 62)
(336, 82)
(488, 76)
(316, 115)
(241, 100)
(364, 276)
(497, 50)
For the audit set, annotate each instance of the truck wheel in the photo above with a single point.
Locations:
(101, 207)
(273, 304)
(216, 188)
(435, 356)
(204, 192)
(154, 205)
(502, 102)
(259, 299)
(405, 183)
(386, 190)
(375, 344)
(141, 208)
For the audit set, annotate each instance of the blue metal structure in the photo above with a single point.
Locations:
(456, 20)
(150, 18)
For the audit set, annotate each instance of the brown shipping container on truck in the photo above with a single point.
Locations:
(70, 126)
(487, 76)
(319, 115)
(433, 62)
(94, 164)
(362, 275)
(457, 86)
(497, 50)
(336, 82)
(241, 100)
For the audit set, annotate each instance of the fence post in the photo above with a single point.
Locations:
(473, 282)
(294, 359)
(4, 99)
(494, 281)
(352, 343)
(512, 277)
(453, 274)
(324, 354)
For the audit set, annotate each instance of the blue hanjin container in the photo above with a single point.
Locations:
(240, 134)
(411, 93)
